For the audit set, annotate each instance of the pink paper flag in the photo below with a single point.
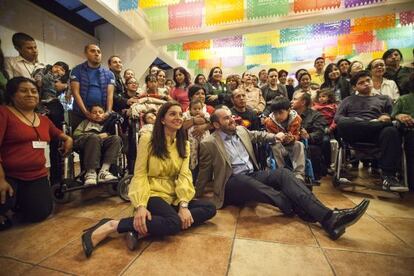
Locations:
(185, 15)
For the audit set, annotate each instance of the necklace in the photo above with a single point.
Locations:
(32, 123)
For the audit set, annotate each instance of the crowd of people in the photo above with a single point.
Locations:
(195, 150)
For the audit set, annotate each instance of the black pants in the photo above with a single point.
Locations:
(318, 160)
(279, 188)
(132, 148)
(165, 220)
(409, 153)
(32, 198)
(56, 115)
(385, 135)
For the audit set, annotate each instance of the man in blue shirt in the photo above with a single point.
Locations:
(91, 84)
(227, 163)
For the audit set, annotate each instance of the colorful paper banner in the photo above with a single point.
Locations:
(395, 33)
(295, 34)
(332, 28)
(310, 5)
(257, 39)
(354, 3)
(158, 19)
(374, 23)
(257, 50)
(234, 41)
(126, 5)
(143, 4)
(196, 45)
(185, 15)
(406, 18)
(266, 8)
(223, 11)
(230, 61)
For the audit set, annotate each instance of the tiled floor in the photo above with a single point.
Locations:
(254, 240)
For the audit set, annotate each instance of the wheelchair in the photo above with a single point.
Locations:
(341, 178)
(71, 181)
(267, 161)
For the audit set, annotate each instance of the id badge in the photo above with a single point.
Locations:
(39, 144)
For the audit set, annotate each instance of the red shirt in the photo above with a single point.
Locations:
(181, 95)
(17, 155)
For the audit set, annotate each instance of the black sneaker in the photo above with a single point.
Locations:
(391, 183)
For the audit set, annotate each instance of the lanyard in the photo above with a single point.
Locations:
(28, 71)
(31, 122)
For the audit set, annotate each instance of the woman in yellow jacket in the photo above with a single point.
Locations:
(161, 189)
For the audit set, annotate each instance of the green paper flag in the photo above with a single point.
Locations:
(158, 18)
(266, 8)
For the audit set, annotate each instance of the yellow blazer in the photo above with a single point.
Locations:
(170, 178)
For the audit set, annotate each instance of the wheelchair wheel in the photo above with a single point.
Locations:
(59, 195)
(335, 181)
(123, 187)
(112, 188)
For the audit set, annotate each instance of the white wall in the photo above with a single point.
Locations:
(55, 38)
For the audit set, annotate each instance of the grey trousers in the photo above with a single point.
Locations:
(94, 149)
(296, 154)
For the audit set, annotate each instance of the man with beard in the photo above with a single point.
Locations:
(227, 161)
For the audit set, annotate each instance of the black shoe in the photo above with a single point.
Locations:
(335, 226)
(391, 183)
(132, 240)
(87, 237)
(6, 223)
(362, 205)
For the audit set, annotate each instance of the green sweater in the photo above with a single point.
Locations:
(404, 105)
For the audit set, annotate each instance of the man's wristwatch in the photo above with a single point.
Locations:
(183, 204)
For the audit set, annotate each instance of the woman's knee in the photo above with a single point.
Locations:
(38, 214)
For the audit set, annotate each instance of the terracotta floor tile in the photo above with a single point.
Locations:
(34, 242)
(366, 235)
(266, 223)
(388, 207)
(41, 271)
(223, 224)
(335, 200)
(403, 228)
(265, 258)
(184, 254)
(109, 258)
(355, 263)
(94, 208)
(10, 267)
(326, 186)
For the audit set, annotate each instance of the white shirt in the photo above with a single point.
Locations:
(388, 88)
(19, 67)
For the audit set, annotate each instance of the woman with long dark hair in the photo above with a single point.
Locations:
(200, 79)
(161, 190)
(180, 91)
(215, 89)
(273, 89)
(335, 81)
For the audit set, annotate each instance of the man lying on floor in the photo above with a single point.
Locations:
(227, 160)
